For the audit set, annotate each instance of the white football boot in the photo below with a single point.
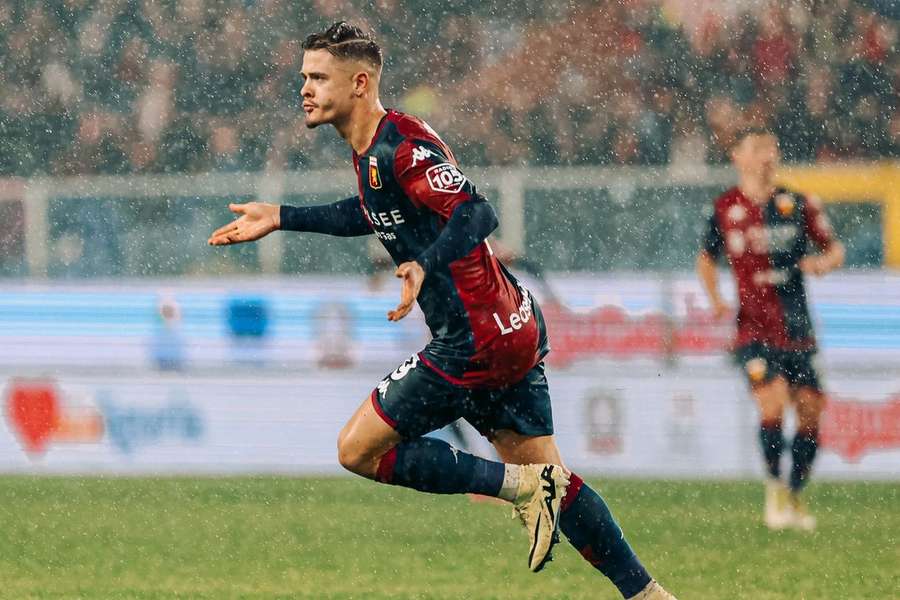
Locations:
(800, 517)
(778, 514)
(653, 591)
(540, 491)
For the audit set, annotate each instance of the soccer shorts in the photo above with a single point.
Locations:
(762, 363)
(416, 400)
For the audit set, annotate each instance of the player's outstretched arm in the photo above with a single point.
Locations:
(255, 220)
(344, 219)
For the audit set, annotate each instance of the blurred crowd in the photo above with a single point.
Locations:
(151, 86)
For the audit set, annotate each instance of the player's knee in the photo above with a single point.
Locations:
(352, 457)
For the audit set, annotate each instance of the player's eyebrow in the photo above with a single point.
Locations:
(313, 75)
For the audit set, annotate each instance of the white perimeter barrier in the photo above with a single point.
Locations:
(635, 419)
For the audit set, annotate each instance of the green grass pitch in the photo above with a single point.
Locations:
(329, 538)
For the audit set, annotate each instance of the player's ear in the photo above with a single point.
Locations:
(362, 80)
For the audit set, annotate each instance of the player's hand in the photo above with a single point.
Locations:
(412, 275)
(720, 309)
(256, 220)
(814, 265)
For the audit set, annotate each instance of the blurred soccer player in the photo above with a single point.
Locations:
(766, 233)
(484, 362)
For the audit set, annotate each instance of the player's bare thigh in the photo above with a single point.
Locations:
(772, 397)
(521, 449)
(364, 440)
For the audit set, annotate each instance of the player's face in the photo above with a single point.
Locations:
(757, 156)
(328, 88)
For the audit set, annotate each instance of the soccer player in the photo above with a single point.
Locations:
(484, 362)
(767, 233)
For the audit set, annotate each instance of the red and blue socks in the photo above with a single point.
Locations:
(587, 522)
(434, 466)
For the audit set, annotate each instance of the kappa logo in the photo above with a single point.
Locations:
(446, 178)
(420, 153)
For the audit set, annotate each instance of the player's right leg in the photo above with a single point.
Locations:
(382, 441)
(771, 392)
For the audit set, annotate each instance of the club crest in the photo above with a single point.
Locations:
(784, 203)
(374, 176)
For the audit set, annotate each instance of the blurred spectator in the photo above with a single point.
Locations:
(118, 86)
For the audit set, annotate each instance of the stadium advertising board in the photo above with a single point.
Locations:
(634, 421)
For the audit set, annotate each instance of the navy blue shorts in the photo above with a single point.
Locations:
(762, 363)
(415, 400)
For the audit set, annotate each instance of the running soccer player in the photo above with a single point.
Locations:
(484, 362)
(766, 233)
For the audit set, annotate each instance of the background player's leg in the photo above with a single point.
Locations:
(771, 398)
(584, 517)
(808, 403)
(370, 447)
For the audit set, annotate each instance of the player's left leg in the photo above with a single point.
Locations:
(585, 519)
(519, 423)
(808, 403)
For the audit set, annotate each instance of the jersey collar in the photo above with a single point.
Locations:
(381, 123)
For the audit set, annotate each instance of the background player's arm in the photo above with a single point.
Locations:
(257, 219)
(708, 271)
(819, 231)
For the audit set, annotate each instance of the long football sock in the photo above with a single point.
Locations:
(803, 452)
(771, 440)
(431, 465)
(585, 519)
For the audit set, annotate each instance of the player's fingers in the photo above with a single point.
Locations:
(400, 312)
(237, 208)
(225, 229)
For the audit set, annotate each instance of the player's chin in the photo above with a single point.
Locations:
(312, 120)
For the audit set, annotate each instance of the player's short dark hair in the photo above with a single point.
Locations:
(348, 42)
(746, 132)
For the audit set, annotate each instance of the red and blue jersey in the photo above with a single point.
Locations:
(486, 328)
(764, 244)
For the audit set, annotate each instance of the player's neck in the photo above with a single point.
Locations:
(757, 191)
(361, 125)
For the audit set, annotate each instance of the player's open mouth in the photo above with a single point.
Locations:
(308, 108)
